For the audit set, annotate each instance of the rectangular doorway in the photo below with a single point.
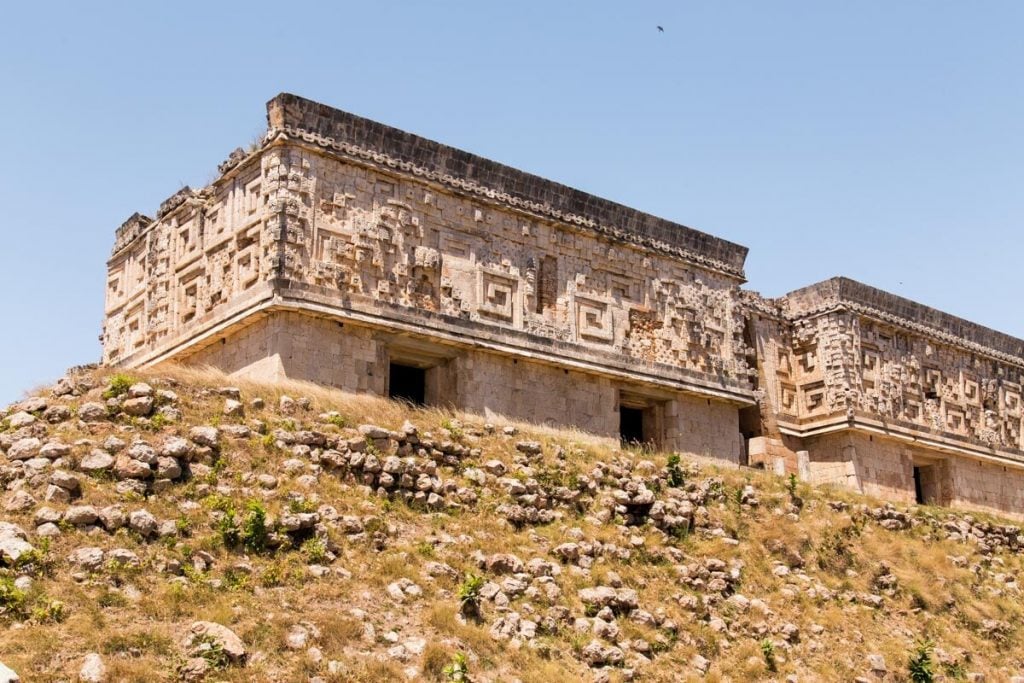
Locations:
(641, 419)
(931, 483)
(631, 425)
(407, 383)
(918, 486)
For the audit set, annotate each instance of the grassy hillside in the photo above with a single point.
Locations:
(183, 525)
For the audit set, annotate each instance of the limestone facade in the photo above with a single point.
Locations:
(352, 254)
(860, 387)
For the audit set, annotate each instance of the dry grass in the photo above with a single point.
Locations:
(369, 408)
(135, 618)
(435, 658)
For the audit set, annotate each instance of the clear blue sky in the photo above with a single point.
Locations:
(879, 139)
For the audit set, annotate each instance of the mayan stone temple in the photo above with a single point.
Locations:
(348, 253)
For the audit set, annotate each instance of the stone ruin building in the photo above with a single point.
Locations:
(351, 254)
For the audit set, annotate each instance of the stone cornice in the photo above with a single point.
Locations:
(369, 142)
(133, 228)
(545, 211)
(770, 308)
(911, 326)
(138, 226)
(846, 294)
(907, 433)
(269, 297)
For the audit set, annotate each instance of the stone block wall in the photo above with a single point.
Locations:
(338, 243)
(342, 216)
(986, 487)
(703, 427)
(396, 248)
(298, 346)
(884, 468)
(294, 345)
(543, 394)
(875, 466)
(205, 250)
(871, 385)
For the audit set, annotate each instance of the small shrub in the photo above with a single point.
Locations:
(454, 428)
(273, 575)
(768, 652)
(791, 485)
(217, 469)
(216, 501)
(183, 526)
(835, 550)
(675, 472)
(121, 571)
(377, 524)
(111, 598)
(48, 612)
(190, 572)
(157, 422)
(301, 505)
(337, 420)
(918, 600)
(919, 665)
(210, 649)
(227, 527)
(36, 561)
(254, 529)
(550, 477)
(315, 550)
(664, 643)
(235, 580)
(680, 532)
(118, 386)
(12, 599)
(458, 669)
(435, 659)
(955, 670)
(469, 595)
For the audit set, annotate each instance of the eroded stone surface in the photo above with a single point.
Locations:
(532, 300)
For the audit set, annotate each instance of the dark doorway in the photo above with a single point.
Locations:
(407, 383)
(631, 425)
(918, 487)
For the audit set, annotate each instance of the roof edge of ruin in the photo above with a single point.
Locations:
(289, 112)
(849, 293)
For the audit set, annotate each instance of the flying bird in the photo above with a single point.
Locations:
(661, 29)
